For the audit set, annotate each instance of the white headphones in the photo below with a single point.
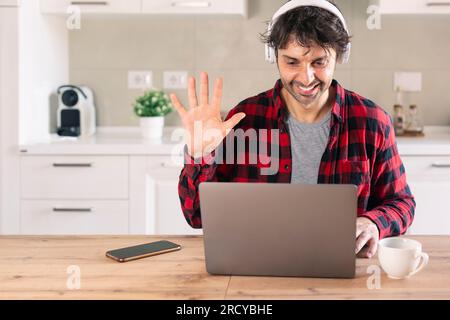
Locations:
(270, 51)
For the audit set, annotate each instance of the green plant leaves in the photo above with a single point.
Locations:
(153, 103)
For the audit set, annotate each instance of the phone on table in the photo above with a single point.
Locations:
(142, 251)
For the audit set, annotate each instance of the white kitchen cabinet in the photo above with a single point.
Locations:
(164, 203)
(223, 7)
(9, 116)
(26, 36)
(235, 7)
(429, 180)
(414, 6)
(74, 195)
(9, 3)
(91, 194)
(55, 217)
(74, 177)
(91, 6)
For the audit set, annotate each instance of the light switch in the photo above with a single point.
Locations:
(140, 79)
(175, 79)
(408, 81)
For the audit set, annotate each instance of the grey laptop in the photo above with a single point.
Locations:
(272, 229)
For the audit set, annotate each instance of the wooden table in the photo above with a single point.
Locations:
(37, 268)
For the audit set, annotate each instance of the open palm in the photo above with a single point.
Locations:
(203, 123)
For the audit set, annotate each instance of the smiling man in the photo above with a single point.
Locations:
(327, 134)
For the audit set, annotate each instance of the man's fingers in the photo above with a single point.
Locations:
(178, 106)
(364, 253)
(366, 238)
(373, 247)
(359, 230)
(192, 93)
(369, 250)
(231, 123)
(217, 97)
(204, 89)
(361, 241)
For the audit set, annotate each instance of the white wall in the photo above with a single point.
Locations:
(9, 87)
(33, 63)
(44, 61)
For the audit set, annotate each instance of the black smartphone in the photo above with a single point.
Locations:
(142, 251)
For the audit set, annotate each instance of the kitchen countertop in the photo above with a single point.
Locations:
(34, 267)
(435, 142)
(127, 141)
(109, 141)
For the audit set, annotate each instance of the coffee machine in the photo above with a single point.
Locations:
(76, 111)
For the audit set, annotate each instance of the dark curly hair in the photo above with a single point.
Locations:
(308, 25)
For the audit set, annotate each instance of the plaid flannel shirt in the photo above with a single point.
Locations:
(361, 150)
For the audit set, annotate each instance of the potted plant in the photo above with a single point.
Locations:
(151, 108)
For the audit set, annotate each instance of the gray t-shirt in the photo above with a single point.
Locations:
(308, 143)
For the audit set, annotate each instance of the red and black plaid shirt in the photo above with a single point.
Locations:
(361, 150)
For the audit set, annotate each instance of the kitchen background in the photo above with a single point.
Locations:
(103, 51)
(130, 184)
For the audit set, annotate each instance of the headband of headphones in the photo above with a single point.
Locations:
(270, 51)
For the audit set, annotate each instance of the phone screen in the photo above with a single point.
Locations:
(142, 250)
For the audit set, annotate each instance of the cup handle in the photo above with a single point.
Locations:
(424, 257)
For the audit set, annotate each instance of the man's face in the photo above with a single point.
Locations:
(306, 73)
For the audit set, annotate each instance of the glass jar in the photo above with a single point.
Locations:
(414, 122)
(399, 119)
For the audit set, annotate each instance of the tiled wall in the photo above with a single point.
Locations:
(105, 48)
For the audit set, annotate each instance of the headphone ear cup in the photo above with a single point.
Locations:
(270, 54)
(266, 52)
(269, 51)
(346, 54)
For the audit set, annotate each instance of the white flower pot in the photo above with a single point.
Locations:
(152, 127)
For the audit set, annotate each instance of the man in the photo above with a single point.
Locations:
(326, 134)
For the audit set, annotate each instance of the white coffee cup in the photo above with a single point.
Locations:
(401, 258)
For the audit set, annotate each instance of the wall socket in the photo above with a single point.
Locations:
(140, 79)
(175, 79)
(408, 81)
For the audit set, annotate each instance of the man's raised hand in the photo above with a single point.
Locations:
(203, 124)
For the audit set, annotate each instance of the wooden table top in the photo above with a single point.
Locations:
(38, 267)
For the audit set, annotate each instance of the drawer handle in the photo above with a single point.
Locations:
(89, 3)
(192, 4)
(72, 209)
(441, 165)
(72, 165)
(438, 4)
